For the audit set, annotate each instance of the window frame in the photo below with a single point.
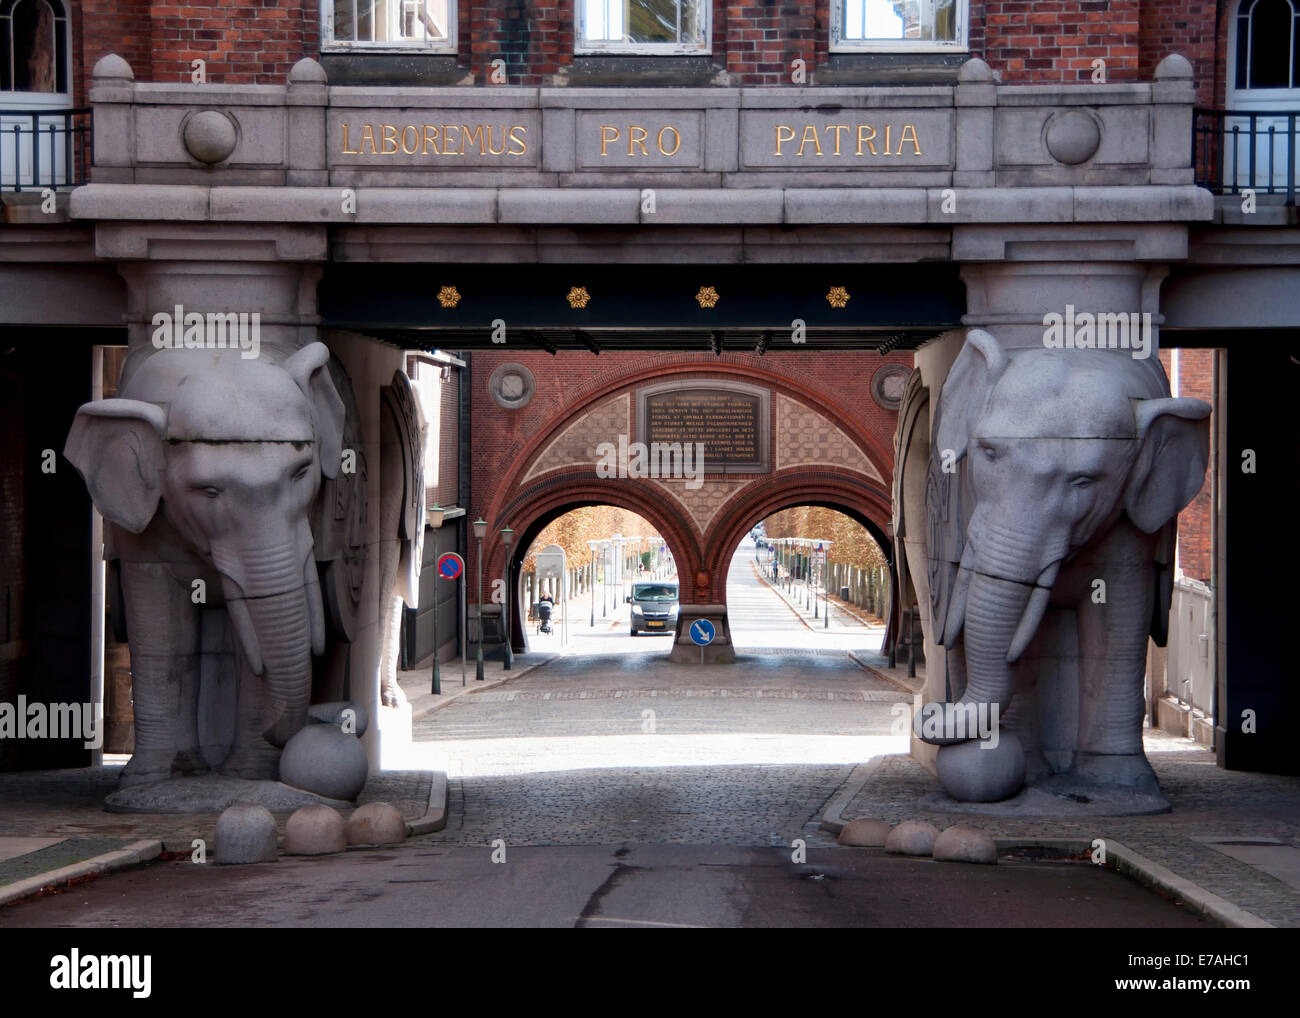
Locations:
(329, 44)
(838, 44)
(674, 49)
(60, 99)
(1234, 68)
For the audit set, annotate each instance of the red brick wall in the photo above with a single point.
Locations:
(1180, 26)
(753, 40)
(100, 27)
(1196, 378)
(1057, 40)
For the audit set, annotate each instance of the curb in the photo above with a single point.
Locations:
(435, 818)
(1119, 858)
(134, 854)
(450, 698)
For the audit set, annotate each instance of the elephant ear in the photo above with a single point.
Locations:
(117, 446)
(310, 369)
(966, 390)
(1170, 467)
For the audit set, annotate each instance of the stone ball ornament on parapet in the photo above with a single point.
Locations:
(1055, 479)
(210, 136)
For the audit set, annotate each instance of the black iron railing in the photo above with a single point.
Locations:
(1238, 150)
(44, 148)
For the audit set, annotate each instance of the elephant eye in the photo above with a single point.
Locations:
(302, 472)
(990, 452)
(1082, 481)
(210, 491)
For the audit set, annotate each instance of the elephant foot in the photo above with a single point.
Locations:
(1129, 771)
(254, 763)
(391, 695)
(147, 767)
(1126, 782)
(189, 763)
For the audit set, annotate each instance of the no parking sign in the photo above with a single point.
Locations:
(450, 565)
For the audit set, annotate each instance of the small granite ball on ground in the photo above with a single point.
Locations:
(969, 772)
(865, 833)
(912, 837)
(245, 834)
(325, 760)
(964, 843)
(376, 823)
(314, 830)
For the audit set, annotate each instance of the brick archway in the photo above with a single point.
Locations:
(830, 443)
(868, 505)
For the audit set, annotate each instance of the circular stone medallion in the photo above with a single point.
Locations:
(511, 386)
(888, 385)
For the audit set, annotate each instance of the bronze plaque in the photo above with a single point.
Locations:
(730, 420)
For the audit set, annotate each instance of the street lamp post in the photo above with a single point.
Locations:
(435, 521)
(618, 540)
(593, 545)
(604, 578)
(507, 537)
(480, 531)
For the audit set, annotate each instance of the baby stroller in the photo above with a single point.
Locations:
(544, 608)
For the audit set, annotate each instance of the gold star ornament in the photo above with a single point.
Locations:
(708, 297)
(449, 296)
(578, 297)
(838, 297)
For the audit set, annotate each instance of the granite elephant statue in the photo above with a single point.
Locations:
(1055, 479)
(208, 471)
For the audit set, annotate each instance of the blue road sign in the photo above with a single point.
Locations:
(450, 566)
(702, 632)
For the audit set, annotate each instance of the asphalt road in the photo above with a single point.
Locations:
(606, 886)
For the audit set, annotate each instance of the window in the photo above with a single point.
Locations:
(906, 25)
(1266, 44)
(644, 26)
(427, 25)
(33, 47)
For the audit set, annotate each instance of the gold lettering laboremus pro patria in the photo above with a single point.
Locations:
(811, 140)
(436, 139)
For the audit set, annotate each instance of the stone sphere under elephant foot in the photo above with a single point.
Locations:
(982, 771)
(325, 760)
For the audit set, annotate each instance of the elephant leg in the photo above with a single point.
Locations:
(164, 631)
(1112, 664)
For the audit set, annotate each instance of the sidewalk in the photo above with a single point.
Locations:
(810, 618)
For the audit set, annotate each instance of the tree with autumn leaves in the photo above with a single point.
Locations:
(851, 543)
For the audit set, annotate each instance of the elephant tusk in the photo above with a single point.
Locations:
(242, 622)
(1034, 610)
(315, 606)
(957, 600)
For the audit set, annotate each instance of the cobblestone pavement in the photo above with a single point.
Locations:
(591, 749)
(1208, 803)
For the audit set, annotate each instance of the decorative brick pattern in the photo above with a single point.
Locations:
(806, 438)
(702, 504)
(576, 445)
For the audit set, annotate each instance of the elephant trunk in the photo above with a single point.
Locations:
(1000, 595)
(275, 611)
